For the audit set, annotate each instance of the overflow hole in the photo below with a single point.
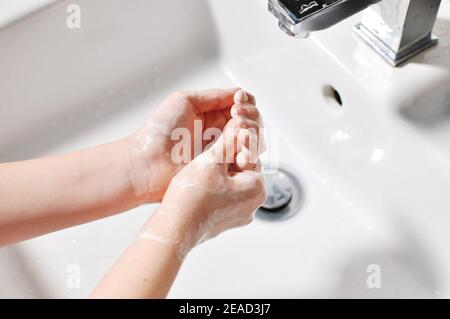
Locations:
(332, 95)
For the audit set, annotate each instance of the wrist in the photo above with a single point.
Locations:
(138, 161)
(170, 228)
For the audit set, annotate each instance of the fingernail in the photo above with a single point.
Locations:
(241, 97)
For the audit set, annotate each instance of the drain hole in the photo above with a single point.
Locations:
(285, 196)
(332, 95)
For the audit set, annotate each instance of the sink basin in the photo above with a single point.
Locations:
(368, 143)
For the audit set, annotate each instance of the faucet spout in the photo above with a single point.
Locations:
(396, 29)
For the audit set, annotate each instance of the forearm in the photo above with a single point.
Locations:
(148, 267)
(49, 194)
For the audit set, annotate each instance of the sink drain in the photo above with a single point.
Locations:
(285, 196)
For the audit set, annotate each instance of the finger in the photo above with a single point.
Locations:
(248, 150)
(224, 150)
(252, 99)
(258, 167)
(242, 122)
(250, 185)
(248, 138)
(213, 99)
(246, 110)
(246, 161)
(249, 133)
(253, 167)
(243, 97)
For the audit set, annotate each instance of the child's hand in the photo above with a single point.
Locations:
(208, 197)
(149, 149)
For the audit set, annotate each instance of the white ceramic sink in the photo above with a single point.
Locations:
(375, 171)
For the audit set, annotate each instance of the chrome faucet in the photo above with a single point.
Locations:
(396, 29)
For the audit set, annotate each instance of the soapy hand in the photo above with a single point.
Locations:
(149, 149)
(219, 190)
(209, 196)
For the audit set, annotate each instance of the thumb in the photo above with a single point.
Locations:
(251, 185)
